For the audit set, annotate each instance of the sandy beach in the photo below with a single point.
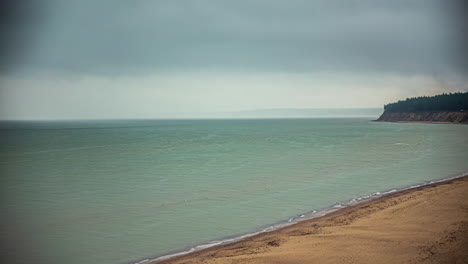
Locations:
(428, 224)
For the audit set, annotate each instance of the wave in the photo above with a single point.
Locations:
(296, 219)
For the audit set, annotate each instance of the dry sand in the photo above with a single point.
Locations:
(428, 224)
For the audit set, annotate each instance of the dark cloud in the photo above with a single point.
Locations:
(116, 36)
(18, 19)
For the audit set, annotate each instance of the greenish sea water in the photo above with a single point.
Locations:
(113, 192)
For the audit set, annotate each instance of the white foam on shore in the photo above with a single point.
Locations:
(142, 261)
(300, 218)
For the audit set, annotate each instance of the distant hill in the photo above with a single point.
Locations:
(307, 113)
(281, 113)
(443, 108)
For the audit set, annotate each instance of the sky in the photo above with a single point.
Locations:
(169, 58)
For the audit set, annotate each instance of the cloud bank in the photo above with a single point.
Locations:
(179, 48)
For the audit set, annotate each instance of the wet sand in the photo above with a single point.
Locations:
(428, 224)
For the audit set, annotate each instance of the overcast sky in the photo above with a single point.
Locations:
(151, 59)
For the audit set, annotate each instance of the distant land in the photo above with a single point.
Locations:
(272, 113)
(284, 113)
(442, 108)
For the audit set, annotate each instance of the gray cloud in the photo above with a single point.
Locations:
(170, 58)
(117, 36)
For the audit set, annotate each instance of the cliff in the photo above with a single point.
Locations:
(460, 117)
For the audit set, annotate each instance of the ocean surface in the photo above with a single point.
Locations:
(113, 192)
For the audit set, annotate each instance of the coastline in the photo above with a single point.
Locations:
(433, 117)
(298, 223)
(420, 122)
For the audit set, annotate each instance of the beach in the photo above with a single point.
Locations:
(426, 224)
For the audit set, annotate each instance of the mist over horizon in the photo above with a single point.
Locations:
(271, 113)
(144, 59)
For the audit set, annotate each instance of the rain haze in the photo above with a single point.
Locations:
(208, 58)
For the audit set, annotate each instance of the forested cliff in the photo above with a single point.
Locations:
(444, 108)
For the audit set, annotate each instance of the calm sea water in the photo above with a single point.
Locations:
(121, 191)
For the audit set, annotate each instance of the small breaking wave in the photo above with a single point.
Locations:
(401, 144)
(302, 217)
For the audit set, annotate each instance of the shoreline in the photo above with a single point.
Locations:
(456, 117)
(335, 210)
(421, 122)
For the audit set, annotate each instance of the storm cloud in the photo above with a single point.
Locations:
(110, 36)
(136, 55)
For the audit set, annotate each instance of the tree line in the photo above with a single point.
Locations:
(442, 102)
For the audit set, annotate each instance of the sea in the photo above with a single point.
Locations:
(128, 191)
